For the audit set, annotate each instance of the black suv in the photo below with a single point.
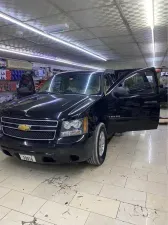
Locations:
(72, 116)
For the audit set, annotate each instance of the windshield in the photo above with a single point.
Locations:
(87, 83)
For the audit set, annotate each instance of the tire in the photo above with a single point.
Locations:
(98, 157)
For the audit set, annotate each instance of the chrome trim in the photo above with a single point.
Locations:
(30, 138)
(27, 124)
(28, 120)
(15, 128)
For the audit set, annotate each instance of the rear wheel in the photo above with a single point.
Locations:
(100, 146)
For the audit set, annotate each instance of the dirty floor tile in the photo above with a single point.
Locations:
(17, 218)
(61, 215)
(3, 175)
(3, 211)
(156, 168)
(129, 172)
(146, 186)
(22, 184)
(141, 216)
(96, 204)
(22, 202)
(61, 194)
(103, 220)
(3, 191)
(106, 177)
(158, 178)
(124, 195)
(157, 202)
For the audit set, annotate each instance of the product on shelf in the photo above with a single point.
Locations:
(2, 74)
(8, 75)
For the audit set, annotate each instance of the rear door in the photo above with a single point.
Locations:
(133, 102)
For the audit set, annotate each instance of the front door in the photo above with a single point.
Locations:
(133, 102)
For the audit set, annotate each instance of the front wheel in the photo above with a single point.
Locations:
(100, 146)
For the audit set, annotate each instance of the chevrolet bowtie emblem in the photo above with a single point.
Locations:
(24, 127)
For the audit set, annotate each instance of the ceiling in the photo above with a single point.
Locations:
(115, 29)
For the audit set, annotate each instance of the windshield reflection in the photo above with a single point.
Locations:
(85, 83)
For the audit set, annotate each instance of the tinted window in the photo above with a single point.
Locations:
(74, 83)
(138, 83)
(107, 83)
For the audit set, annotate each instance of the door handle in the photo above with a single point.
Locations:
(130, 97)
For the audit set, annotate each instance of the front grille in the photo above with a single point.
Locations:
(39, 129)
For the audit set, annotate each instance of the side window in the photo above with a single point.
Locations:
(107, 83)
(138, 83)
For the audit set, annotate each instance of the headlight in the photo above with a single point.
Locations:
(67, 125)
(74, 127)
(74, 123)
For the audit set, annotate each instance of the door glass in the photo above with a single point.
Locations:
(138, 83)
(107, 84)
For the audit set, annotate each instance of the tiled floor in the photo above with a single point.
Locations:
(131, 187)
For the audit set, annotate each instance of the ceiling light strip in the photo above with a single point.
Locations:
(153, 34)
(153, 47)
(150, 17)
(49, 58)
(33, 29)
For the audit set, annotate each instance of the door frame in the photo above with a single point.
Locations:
(116, 119)
(118, 81)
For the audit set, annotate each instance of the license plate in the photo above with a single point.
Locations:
(29, 158)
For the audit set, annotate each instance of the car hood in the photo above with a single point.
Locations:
(48, 106)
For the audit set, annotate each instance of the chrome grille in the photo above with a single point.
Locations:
(49, 123)
(39, 129)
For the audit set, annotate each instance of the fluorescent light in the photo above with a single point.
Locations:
(149, 12)
(49, 58)
(149, 6)
(153, 47)
(33, 29)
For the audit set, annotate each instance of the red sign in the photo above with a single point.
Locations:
(10, 86)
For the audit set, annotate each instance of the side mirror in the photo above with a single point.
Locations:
(121, 92)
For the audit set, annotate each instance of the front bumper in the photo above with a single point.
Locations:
(60, 151)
